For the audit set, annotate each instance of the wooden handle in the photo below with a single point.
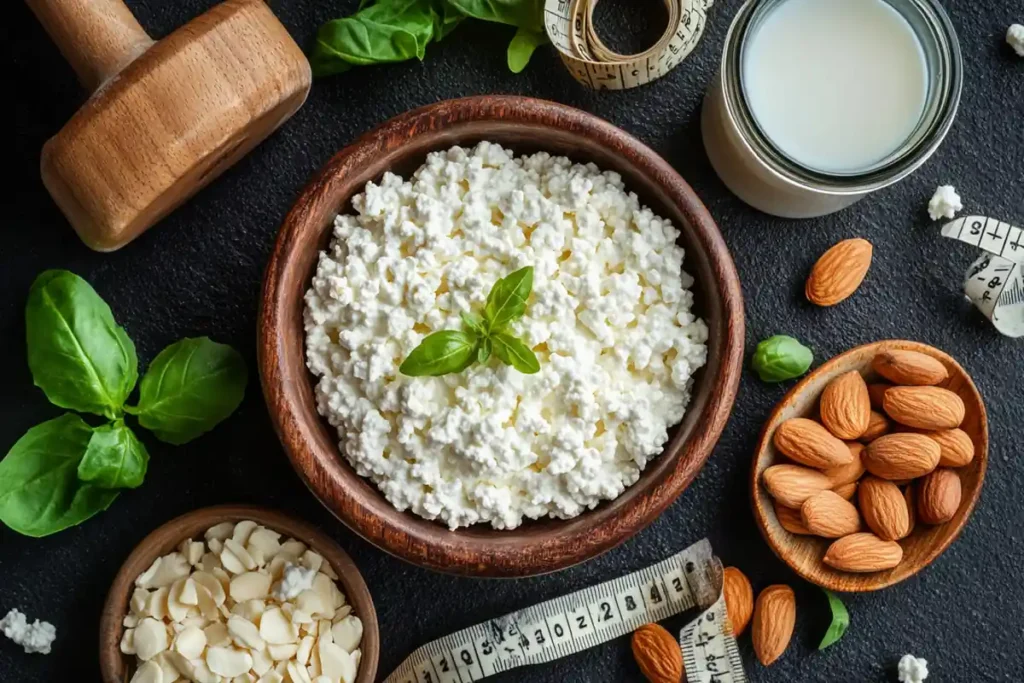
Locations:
(97, 37)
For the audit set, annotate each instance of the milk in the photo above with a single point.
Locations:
(836, 85)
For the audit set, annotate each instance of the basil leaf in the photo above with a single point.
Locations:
(840, 621)
(507, 299)
(40, 493)
(528, 14)
(78, 355)
(189, 388)
(441, 353)
(472, 324)
(483, 350)
(779, 358)
(522, 47)
(513, 352)
(114, 458)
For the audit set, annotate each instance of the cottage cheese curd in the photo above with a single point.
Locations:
(609, 319)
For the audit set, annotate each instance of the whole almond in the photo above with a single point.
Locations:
(791, 521)
(845, 474)
(839, 272)
(909, 368)
(901, 456)
(956, 447)
(808, 443)
(884, 508)
(876, 392)
(739, 599)
(846, 491)
(791, 485)
(658, 654)
(846, 406)
(774, 619)
(938, 497)
(909, 497)
(931, 408)
(829, 515)
(863, 552)
(878, 425)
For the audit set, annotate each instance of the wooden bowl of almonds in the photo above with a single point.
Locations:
(869, 467)
(234, 593)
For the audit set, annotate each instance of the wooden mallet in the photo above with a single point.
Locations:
(165, 118)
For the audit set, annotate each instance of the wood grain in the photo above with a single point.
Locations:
(401, 145)
(803, 553)
(161, 127)
(118, 668)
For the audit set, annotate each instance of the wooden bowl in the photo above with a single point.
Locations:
(804, 553)
(401, 145)
(116, 667)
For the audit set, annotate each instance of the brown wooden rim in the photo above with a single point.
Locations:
(476, 554)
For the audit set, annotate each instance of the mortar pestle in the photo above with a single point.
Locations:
(165, 118)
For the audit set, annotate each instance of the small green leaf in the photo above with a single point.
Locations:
(472, 324)
(507, 299)
(513, 352)
(441, 353)
(522, 47)
(780, 358)
(189, 388)
(114, 459)
(840, 621)
(483, 350)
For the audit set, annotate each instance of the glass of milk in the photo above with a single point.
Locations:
(817, 103)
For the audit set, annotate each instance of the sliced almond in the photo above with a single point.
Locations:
(335, 662)
(297, 674)
(305, 648)
(242, 531)
(225, 661)
(231, 562)
(217, 635)
(250, 609)
(239, 551)
(348, 633)
(190, 642)
(150, 638)
(156, 604)
(282, 652)
(261, 661)
(219, 531)
(128, 641)
(192, 551)
(276, 628)
(213, 586)
(149, 672)
(245, 633)
(164, 571)
(250, 586)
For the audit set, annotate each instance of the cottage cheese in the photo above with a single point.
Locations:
(911, 669)
(609, 319)
(34, 637)
(1015, 38)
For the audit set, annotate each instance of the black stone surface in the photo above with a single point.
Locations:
(199, 273)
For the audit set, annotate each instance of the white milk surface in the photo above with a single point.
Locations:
(837, 85)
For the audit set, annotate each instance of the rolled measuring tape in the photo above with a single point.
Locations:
(573, 623)
(995, 281)
(570, 27)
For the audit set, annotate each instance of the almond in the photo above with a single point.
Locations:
(846, 491)
(845, 474)
(863, 552)
(929, 408)
(829, 515)
(791, 521)
(846, 406)
(876, 392)
(909, 368)
(878, 425)
(938, 497)
(739, 599)
(956, 447)
(658, 654)
(908, 497)
(839, 272)
(884, 508)
(774, 619)
(808, 443)
(901, 456)
(791, 485)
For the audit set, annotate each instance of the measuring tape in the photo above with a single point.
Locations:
(570, 27)
(995, 281)
(576, 622)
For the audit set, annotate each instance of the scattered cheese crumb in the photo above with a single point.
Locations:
(912, 669)
(944, 203)
(1015, 38)
(36, 637)
(294, 580)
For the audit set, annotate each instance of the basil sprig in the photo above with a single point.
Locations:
(449, 351)
(840, 621)
(64, 471)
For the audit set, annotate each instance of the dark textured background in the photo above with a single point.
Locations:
(199, 273)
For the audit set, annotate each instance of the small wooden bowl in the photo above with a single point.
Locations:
(804, 553)
(116, 667)
(401, 145)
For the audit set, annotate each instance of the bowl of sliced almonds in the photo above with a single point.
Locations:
(868, 469)
(233, 593)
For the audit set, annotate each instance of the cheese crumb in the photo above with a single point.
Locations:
(1015, 38)
(912, 669)
(294, 580)
(36, 637)
(944, 203)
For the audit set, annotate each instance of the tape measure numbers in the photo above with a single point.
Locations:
(570, 27)
(581, 620)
